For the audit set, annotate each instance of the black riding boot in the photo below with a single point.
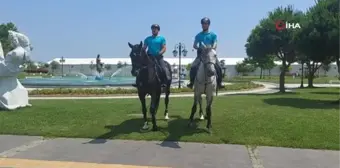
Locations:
(219, 76)
(192, 77)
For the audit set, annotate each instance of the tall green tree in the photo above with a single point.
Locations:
(54, 66)
(265, 39)
(244, 67)
(6, 44)
(318, 39)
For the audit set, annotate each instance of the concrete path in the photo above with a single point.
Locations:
(36, 152)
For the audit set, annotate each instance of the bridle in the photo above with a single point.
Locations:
(205, 64)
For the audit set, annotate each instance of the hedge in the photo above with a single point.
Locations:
(122, 91)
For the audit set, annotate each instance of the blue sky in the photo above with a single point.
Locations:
(85, 28)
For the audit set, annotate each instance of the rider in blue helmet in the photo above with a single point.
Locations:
(208, 38)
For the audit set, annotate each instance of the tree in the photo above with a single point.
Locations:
(302, 59)
(6, 44)
(119, 65)
(31, 65)
(222, 62)
(269, 64)
(266, 40)
(325, 67)
(188, 67)
(108, 67)
(46, 65)
(92, 66)
(262, 62)
(54, 66)
(243, 68)
(318, 39)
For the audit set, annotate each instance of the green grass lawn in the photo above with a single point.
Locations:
(288, 79)
(305, 119)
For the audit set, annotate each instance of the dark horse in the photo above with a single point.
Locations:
(148, 81)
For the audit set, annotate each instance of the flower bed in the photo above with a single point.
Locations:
(122, 91)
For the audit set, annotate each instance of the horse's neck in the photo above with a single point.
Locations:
(201, 72)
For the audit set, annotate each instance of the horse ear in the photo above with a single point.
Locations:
(130, 45)
(141, 43)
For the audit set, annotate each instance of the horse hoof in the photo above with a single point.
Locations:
(209, 130)
(145, 127)
(166, 117)
(202, 117)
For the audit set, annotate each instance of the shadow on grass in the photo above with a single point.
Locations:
(263, 94)
(301, 103)
(326, 93)
(126, 127)
(177, 127)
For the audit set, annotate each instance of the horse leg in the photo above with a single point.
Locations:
(142, 100)
(193, 110)
(153, 110)
(201, 110)
(166, 100)
(208, 111)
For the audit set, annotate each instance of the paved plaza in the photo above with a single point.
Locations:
(37, 152)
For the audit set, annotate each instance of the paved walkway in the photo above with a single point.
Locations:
(36, 152)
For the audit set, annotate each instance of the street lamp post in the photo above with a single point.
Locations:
(179, 49)
(62, 60)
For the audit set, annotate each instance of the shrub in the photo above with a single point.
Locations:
(40, 70)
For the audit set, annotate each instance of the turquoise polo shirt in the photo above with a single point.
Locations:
(208, 38)
(154, 44)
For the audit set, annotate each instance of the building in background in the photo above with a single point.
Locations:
(86, 66)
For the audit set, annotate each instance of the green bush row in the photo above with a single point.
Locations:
(111, 91)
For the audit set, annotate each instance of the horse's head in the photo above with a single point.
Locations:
(137, 56)
(208, 57)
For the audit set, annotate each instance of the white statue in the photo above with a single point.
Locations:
(12, 94)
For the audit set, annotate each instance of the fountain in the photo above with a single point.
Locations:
(119, 70)
(116, 72)
(13, 94)
(83, 76)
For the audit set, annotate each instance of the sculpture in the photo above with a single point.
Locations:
(12, 94)
(99, 68)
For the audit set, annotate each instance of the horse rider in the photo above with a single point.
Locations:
(156, 47)
(208, 38)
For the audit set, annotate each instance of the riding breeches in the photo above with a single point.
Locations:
(163, 67)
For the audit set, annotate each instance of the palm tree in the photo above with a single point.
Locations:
(119, 65)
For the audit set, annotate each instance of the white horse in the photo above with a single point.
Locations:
(205, 83)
